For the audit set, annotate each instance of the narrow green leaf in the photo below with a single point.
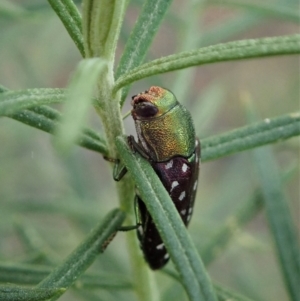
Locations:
(78, 101)
(85, 254)
(279, 217)
(46, 119)
(169, 224)
(14, 101)
(238, 50)
(22, 274)
(257, 134)
(87, 6)
(13, 293)
(141, 37)
(70, 17)
(29, 274)
(102, 21)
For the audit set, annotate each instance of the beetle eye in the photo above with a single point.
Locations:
(145, 109)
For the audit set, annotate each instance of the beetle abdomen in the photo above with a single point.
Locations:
(179, 176)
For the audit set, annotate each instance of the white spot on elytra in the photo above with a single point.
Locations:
(160, 247)
(195, 185)
(196, 143)
(184, 167)
(190, 210)
(167, 256)
(169, 164)
(174, 184)
(182, 196)
(183, 212)
(189, 217)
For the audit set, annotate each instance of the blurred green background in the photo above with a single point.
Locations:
(60, 199)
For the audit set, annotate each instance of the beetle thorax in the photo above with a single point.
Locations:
(169, 135)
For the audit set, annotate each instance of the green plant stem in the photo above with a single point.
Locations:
(110, 114)
(109, 111)
(101, 27)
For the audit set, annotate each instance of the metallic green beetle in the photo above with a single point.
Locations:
(166, 138)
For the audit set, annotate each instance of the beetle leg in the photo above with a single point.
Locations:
(137, 148)
(119, 170)
(112, 160)
(138, 222)
(128, 228)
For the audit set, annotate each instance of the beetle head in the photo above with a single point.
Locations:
(152, 103)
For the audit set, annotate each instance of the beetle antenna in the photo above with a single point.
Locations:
(126, 115)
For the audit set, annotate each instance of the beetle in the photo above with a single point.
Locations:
(166, 138)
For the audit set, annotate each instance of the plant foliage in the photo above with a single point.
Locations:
(101, 82)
